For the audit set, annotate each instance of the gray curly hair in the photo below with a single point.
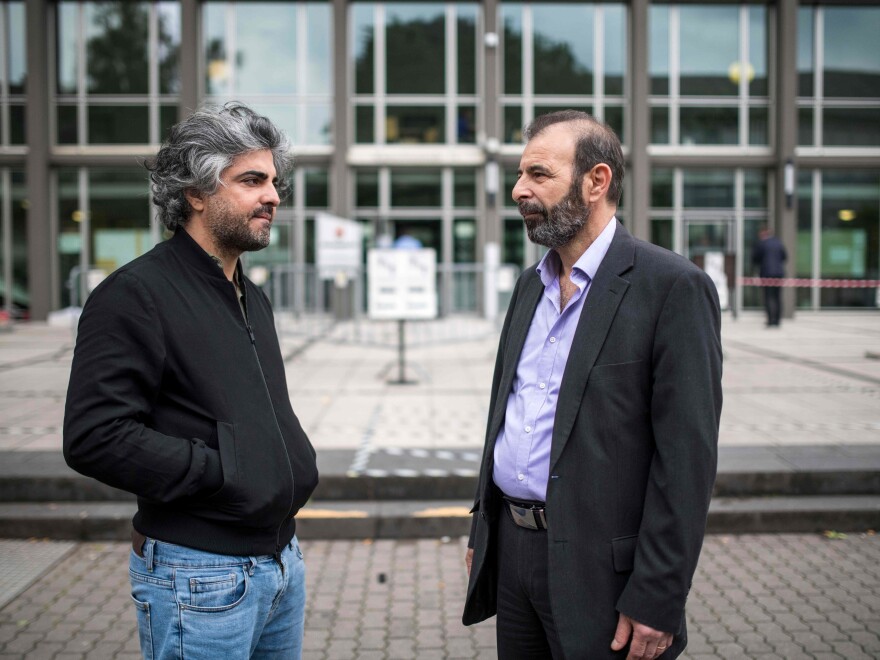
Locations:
(202, 146)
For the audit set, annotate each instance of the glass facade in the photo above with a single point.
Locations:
(408, 117)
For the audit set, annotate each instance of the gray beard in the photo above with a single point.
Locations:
(559, 224)
(232, 233)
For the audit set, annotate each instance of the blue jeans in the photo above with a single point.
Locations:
(193, 604)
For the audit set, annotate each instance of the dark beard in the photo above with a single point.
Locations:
(232, 233)
(560, 223)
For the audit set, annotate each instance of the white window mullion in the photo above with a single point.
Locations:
(677, 214)
(153, 73)
(81, 117)
(302, 72)
(85, 254)
(528, 65)
(818, 78)
(6, 223)
(379, 73)
(599, 60)
(451, 69)
(744, 68)
(674, 68)
(816, 247)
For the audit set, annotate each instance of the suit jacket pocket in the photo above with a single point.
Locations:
(623, 550)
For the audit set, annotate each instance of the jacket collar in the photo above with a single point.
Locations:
(185, 247)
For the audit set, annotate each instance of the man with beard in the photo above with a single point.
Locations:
(178, 394)
(603, 422)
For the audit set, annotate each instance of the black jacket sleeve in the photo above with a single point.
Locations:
(114, 381)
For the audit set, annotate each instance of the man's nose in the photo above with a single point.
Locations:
(271, 197)
(520, 191)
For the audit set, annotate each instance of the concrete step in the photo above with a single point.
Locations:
(435, 518)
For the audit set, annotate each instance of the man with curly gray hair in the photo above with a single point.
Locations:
(178, 394)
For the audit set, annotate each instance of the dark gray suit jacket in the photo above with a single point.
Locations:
(633, 454)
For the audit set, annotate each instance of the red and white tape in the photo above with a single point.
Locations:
(808, 282)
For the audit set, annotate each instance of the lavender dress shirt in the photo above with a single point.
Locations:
(522, 449)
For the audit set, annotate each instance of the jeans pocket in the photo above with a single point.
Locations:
(211, 589)
(145, 628)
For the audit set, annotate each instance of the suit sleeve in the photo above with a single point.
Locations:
(115, 379)
(685, 414)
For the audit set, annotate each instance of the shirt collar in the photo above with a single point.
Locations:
(587, 264)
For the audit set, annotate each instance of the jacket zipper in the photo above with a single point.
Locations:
(253, 339)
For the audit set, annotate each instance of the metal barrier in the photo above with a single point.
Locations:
(309, 306)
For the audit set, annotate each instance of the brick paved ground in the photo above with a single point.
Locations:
(761, 596)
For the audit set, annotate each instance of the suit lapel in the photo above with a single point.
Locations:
(603, 299)
(526, 304)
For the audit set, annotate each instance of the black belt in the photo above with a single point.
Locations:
(528, 514)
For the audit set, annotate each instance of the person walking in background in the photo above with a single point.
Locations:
(178, 394)
(769, 256)
(601, 445)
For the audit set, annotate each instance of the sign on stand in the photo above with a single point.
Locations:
(403, 284)
(403, 287)
(338, 244)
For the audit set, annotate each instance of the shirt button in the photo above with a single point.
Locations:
(520, 476)
(528, 429)
(542, 385)
(552, 340)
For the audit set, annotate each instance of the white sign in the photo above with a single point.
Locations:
(403, 284)
(338, 245)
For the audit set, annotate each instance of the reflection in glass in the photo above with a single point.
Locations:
(467, 124)
(168, 116)
(614, 118)
(364, 126)
(317, 188)
(805, 127)
(467, 48)
(759, 126)
(415, 124)
(66, 30)
(708, 188)
(319, 77)
(117, 52)
(513, 249)
(511, 19)
(465, 189)
(66, 124)
(17, 124)
(852, 57)
(19, 238)
(709, 125)
(364, 43)
(851, 127)
(758, 50)
(69, 241)
(118, 124)
(703, 237)
(661, 232)
(615, 49)
(283, 115)
(266, 35)
(513, 124)
(366, 188)
(850, 233)
(415, 40)
(660, 125)
(319, 117)
(425, 231)
(506, 191)
(214, 40)
(169, 47)
(804, 261)
(658, 48)
(709, 45)
(805, 51)
(464, 248)
(661, 188)
(119, 216)
(17, 65)
(563, 59)
(755, 193)
(415, 187)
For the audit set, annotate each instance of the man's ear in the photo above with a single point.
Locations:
(596, 183)
(195, 200)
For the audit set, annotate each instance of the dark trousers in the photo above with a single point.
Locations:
(773, 304)
(524, 623)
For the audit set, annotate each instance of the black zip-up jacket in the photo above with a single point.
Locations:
(175, 398)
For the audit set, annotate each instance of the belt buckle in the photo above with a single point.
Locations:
(528, 518)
